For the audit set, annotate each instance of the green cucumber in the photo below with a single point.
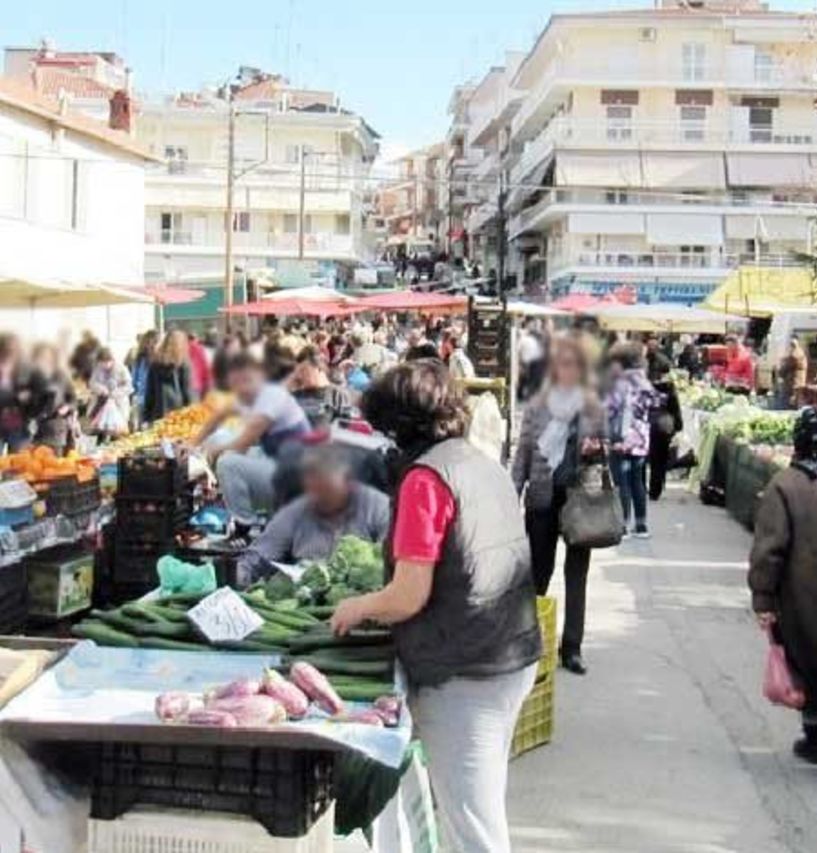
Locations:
(362, 691)
(170, 645)
(142, 627)
(337, 666)
(104, 635)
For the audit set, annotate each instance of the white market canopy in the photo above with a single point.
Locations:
(670, 319)
(27, 294)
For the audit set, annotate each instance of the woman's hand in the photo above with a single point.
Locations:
(591, 446)
(766, 621)
(348, 615)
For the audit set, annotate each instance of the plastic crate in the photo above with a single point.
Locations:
(183, 831)
(135, 562)
(546, 610)
(67, 496)
(60, 581)
(152, 519)
(535, 724)
(13, 598)
(286, 791)
(149, 473)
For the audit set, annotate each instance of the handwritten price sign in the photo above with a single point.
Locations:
(223, 617)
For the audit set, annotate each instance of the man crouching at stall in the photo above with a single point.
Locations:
(333, 505)
(245, 464)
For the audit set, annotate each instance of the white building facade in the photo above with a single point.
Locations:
(301, 165)
(72, 211)
(659, 149)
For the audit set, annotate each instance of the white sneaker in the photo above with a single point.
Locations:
(642, 533)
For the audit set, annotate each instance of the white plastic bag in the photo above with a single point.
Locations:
(488, 428)
(407, 824)
(110, 420)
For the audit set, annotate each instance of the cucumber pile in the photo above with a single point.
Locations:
(360, 666)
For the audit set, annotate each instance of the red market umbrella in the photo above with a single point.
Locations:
(576, 302)
(166, 294)
(294, 308)
(412, 300)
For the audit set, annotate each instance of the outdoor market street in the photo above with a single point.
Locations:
(668, 745)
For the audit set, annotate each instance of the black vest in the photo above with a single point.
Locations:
(480, 619)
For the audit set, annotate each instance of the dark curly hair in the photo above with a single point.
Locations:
(417, 404)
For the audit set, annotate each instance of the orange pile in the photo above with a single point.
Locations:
(39, 464)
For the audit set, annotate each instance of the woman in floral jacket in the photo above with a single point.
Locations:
(630, 403)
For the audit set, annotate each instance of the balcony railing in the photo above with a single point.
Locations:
(260, 241)
(626, 71)
(645, 262)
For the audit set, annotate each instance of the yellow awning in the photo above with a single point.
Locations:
(763, 291)
(21, 293)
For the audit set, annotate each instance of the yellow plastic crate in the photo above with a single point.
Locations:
(535, 724)
(546, 610)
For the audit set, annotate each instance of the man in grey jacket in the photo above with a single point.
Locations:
(333, 505)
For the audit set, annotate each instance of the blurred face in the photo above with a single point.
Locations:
(652, 345)
(327, 491)
(246, 384)
(46, 362)
(732, 347)
(567, 369)
(307, 376)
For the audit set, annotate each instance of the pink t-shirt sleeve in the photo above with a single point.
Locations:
(425, 511)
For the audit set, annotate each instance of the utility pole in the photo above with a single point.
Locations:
(228, 224)
(302, 202)
(501, 234)
(415, 202)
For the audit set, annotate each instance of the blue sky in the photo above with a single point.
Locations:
(394, 61)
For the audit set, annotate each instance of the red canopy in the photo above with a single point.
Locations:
(294, 308)
(413, 300)
(576, 302)
(166, 294)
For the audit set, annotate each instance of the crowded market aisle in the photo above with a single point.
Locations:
(668, 745)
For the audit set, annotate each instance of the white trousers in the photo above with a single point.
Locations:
(466, 727)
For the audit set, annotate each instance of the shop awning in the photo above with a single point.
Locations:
(606, 223)
(294, 308)
(684, 229)
(763, 291)
(683, 171)
(769, 170)
(581, 169)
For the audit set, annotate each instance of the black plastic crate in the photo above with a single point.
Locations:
(149, 472)
(152, 519)
(14, 612)
(135, 562)
(224, 560)
(67, 496)
(286, 791)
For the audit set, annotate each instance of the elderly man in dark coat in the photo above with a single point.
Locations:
(783, 571)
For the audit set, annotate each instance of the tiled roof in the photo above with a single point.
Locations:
(262, 90)
(21, 96)
(51, 81)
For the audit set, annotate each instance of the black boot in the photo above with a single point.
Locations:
(806, 747)
(573, 662)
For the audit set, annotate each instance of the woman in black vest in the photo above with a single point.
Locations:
(460, 599)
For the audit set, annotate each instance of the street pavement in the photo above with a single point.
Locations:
(667, 746)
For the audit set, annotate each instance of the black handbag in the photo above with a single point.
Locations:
(593, 517)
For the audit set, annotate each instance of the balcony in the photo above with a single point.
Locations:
(564, 74)
(557, 202)
(635, 265)
(481, 216)
(318, 245)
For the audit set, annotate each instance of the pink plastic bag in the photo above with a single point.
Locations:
(779, 684)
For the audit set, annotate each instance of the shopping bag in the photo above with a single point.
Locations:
(779, 684)
(109, 419)
(407, 824)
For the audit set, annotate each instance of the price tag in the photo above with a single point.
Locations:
(223, 617)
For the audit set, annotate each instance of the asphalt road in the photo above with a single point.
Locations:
(668, 746)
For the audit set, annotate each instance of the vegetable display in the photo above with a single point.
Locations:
(273, 699)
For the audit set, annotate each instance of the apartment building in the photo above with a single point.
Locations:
(71, 212)
(660, 148)
(301, 164)
(461, 158)
(409, 207)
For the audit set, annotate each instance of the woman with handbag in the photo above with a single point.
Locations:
(563, 427)
(782, 575)
(168, 380)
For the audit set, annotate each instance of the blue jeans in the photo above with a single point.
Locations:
(628, 474)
